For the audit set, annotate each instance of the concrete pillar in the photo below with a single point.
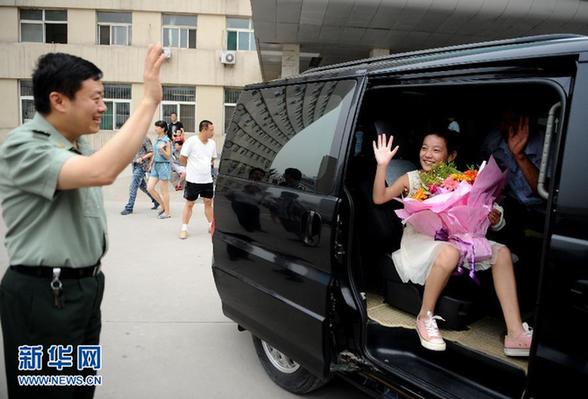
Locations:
(290, 60)
(210, 105)
(81, 27)
(10, 110)
(379, 52)
(10, 23)
(211, 30)
(146, 28)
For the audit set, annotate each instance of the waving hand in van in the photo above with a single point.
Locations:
(384, 153)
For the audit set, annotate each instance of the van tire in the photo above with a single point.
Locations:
(296, 380)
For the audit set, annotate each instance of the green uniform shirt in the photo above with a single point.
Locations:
(46, 226)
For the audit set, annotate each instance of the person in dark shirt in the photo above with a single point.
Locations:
(517, 146)
(176, 129)
(518, 149)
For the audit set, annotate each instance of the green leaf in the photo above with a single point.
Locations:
(439, 173)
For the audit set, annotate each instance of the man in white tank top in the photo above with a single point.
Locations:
(198, 153)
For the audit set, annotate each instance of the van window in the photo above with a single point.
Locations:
(288, 131)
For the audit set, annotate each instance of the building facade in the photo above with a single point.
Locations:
(210, 43)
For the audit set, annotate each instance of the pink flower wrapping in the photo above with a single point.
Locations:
(459, 216)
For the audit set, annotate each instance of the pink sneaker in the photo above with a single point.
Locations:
(429, 332)
(520, 345)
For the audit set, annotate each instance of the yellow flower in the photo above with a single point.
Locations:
(421, 194)
(458, 176)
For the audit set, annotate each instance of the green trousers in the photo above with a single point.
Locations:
(29, 317)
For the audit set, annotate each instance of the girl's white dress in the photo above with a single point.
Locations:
(418, 251)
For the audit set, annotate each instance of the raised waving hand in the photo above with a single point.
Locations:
(383, 150)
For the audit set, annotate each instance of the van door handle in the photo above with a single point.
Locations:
(312, 233)
(549, 131)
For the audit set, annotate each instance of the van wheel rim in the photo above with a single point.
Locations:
(279, 360)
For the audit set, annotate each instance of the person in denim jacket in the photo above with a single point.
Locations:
(141, 164)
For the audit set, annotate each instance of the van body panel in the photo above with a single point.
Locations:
(295, 330)
(272, 283)
(274, 236)
(283, 266)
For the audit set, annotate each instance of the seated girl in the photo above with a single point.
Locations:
(423, 260)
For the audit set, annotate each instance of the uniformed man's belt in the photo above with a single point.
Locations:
(66, 272)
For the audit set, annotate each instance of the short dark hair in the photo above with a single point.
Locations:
(63, 73)
(450, 137)
(294, 173)
(173, 113)
(161, 124)
(204, 125)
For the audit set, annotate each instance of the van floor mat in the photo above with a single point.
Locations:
(485, 335)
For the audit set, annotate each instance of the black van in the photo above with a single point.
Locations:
(301, 252)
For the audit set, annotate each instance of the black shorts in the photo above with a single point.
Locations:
(193, 190)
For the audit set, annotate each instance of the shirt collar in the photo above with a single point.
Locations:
(42, 124)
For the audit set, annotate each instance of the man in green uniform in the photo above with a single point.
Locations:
(56, 226)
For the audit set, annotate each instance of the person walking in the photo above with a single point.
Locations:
(198, 154)
(161, 169)
(56, 232)
(141, 164)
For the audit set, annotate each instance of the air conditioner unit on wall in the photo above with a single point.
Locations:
(228, 57)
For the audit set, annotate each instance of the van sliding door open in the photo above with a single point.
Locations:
(481, 116)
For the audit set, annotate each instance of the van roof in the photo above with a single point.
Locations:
(483, 52)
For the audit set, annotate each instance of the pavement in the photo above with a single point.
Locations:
(163, 330)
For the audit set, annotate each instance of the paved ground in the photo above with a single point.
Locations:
(163, 333)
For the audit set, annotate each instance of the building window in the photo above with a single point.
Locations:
(117, 98)
(231, 98)
(182, 101)
(240, 34)
(27, 104)
(179, 31)
(43, 26)
(114, 28)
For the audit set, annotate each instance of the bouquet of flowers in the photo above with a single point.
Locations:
(454, 206)
(441, 179)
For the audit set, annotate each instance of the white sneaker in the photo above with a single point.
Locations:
(183, 234)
